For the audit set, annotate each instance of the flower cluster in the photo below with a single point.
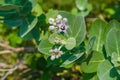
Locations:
(57, 40)
(55, 53)
(59, 23)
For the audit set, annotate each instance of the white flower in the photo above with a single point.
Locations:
(51, 27)
(59, 23)
(58, 19)
(63, 28)
(55, 53)
(56, 50)
(64, 20)
(57, 56)
(59, 16)
(51, 20)
(52, 57)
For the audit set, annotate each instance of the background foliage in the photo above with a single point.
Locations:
(24, 23)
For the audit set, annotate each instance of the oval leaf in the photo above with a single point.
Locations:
(81, 4)
(112, 44)
(30, 27)
(72, 59)
(79, 30)
(98, 30)
(106, 71)
(70, 43)
(91, 44)
(92, 65)
(45, 46)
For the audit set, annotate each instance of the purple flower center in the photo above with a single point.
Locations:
(63, 27)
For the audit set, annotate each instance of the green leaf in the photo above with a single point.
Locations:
(113, 24)
(45, 46)
(54, 35)
(37, 10)
(29, 28)
(86, 12)
(91, 65)
(94, 78)
(115, 59)
(106, 71)
(23, 28)
(13, 22)
(91, 44)
(7, 10)
(81, 4)
(34, 2)
(90, 76)
(112, 44)
(52, 38)
(72, 58)
(36, 33)
(51, 14)
(8, 7)
(98, 30)
(70, 43)
(77, 27)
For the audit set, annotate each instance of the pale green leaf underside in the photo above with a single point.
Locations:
(72, 58)
(92, 65)
(104, 71)
(98, 30)
(112, 44)
(45, 46)
(81, 4)
(70, 43)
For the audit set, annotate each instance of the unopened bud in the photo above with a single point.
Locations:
(52, 57)
(51, 20)
(51, 27)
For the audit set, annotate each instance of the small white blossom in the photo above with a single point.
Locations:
(58, 19)
(59, 16)
(51, 51)
(64, 20)
(55, 53)
(51, 20)
(51, 27)
(52, 57)
(56, 50)
(57, 56)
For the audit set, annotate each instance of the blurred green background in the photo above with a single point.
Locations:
(34, 66)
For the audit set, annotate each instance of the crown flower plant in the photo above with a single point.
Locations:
(63, 38)
(58, 26)
(57, 43)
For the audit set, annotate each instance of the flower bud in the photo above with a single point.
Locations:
(51, 20)
(51, 27)
(59, 16)
(64, 20)
(52, 57)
